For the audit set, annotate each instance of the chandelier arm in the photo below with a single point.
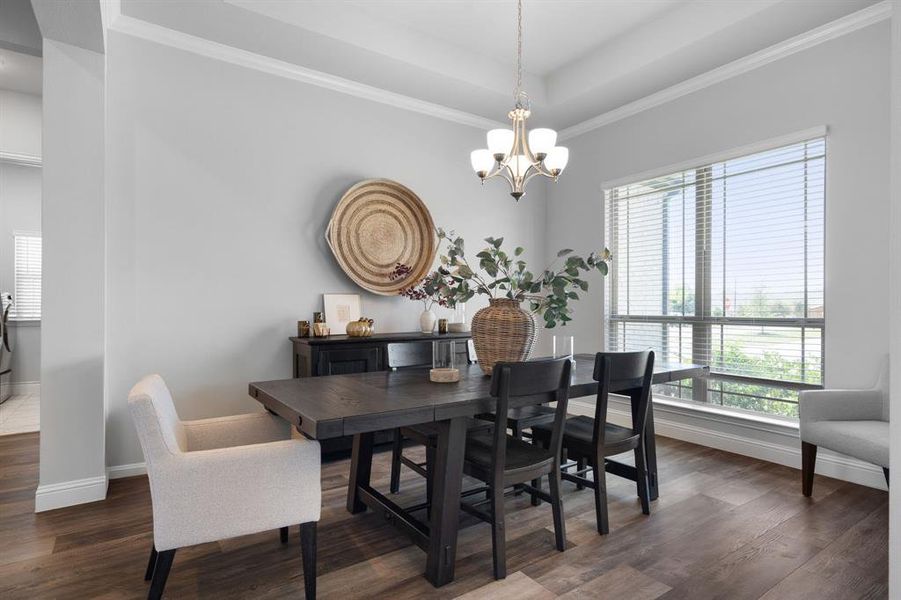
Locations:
(541, 169)
(535, 173)
(499, 168)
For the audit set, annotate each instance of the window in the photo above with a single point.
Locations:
(723, 264)
(27, 300)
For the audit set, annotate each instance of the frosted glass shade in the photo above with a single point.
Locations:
(481, 160)
(556, 159)
(500, 141)
(541, 141)
(519, 164)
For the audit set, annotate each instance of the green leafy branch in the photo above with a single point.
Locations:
(505, 275)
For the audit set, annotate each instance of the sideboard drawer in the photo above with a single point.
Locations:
(341, 361)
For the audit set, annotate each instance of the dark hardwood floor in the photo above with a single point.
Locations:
(725, 526)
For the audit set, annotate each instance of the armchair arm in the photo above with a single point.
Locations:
(215, 494)
(840, 405)
(236, 430)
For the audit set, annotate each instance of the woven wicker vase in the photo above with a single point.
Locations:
(502, 332)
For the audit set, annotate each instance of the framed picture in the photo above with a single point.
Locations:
(341, 309)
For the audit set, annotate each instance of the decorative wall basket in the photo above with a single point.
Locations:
(502, 332)
(377, 224)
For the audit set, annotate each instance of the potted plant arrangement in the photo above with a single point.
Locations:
(504, 330)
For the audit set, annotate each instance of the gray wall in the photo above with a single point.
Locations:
(72, 343)
(895, 459)
(20, 123)
(20, 210)
(843, 84)
(222, 180)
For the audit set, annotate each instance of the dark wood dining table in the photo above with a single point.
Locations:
(364, 403)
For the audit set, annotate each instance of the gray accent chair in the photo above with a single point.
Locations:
(851, 422)
(219, 478)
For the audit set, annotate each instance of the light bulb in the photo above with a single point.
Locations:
(500, 143)
(482, 161)
(541, 141)
(556, 159)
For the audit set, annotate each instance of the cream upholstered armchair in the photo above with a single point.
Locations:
(219, 478)
(852, 422)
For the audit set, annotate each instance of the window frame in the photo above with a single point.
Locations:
(14, 314)
(700, 322)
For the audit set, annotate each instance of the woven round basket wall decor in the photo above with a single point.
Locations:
(377, 224)
(502, 332)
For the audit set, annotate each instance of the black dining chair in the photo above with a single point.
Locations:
(504, 461)
(418, 355)
(590, 440)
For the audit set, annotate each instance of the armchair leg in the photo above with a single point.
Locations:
(283, 534)
(885, 472)
(161, 574)
(308, 552)
(151, 564)
(808, 466)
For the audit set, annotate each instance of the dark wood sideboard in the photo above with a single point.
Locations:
(342, 354)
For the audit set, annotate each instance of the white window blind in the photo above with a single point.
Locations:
(723, 264)
(27, 300)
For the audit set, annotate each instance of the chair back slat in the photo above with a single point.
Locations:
(409, 355)
(541, 380)
(629, 374)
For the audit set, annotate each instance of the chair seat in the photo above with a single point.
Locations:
(579, 432)
(520, 455)
(866, 440)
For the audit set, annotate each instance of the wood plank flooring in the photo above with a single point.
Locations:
(725, 526)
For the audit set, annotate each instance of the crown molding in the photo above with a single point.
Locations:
(201, 46)
(830, 31)
(266, 64)
(24, 160)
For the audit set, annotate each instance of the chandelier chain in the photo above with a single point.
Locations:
(518, 91)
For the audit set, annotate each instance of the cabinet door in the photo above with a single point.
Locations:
(348, 360)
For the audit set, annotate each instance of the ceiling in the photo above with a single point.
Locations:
(486, 28)
(19, 30)
(21, 46)
(581, 57)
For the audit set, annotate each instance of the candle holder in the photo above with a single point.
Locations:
(444, 354)
(564, 347)
(303, 329)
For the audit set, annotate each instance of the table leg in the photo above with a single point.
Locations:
(650, 449)
(360, 471)
(444, 522)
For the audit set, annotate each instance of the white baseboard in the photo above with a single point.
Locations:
(21, 388)
(131, 470)
(70, 493)
(771, 442)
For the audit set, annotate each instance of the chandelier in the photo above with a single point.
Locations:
(513, 154)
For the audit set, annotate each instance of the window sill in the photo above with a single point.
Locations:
(725, 414)
(24, 322)
(712, 417)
